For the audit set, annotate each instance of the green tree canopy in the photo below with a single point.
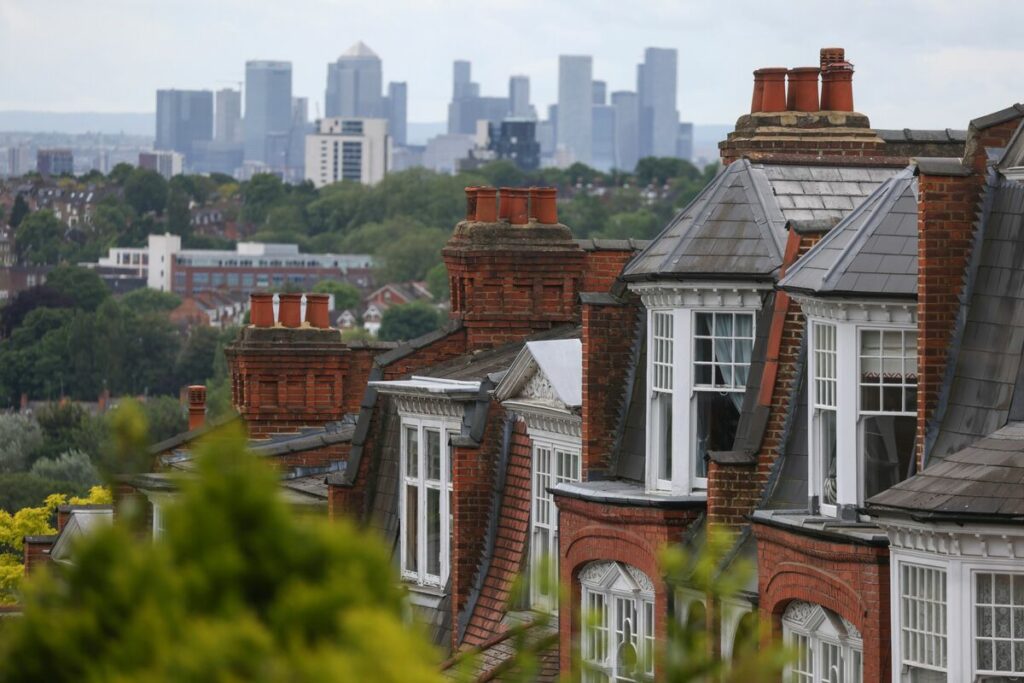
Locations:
(346, 296)
(81, 285)
(146, 300)
(411, 257)
(39, 239)
(18, 211)
(259, 195)
(437, 282)
(146, 191)
(237, 588)
(408, 321)
(120, 173)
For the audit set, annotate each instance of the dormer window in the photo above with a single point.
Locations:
(863, 408)
(425, 517)
(699, 363)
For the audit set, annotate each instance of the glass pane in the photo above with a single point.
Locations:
(433, 532)
(717, 418)
(410, 524)
(412, 451)
(663, 434)
(888, 450)
(702, 350)
(723, 324)
(703, 374)
(827, 445)
(744, 325)
(702, 324)
(433, 438)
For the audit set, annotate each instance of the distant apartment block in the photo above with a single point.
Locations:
(251, 266)
(166, 163)
(348, 149)
(55, 162)
(515, 140)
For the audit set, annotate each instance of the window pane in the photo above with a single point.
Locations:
(433, 532)
(999, 623)
(827, 448)
(888, 450)
(703, 324)
(412, 451)
(411, 523)
(662, 446)
(923, 617)
(717, 417)
(433, 438)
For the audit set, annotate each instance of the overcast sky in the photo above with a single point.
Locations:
(924, 64)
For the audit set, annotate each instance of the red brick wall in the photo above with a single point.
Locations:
(733, 492)
(850, 579)
(511, 545)
(37, 554)
(607, 346)
(593, 531)
(603, 267)
(472, 498)
(446, 348)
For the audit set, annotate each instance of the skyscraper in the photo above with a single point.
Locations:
(602, 153)
(354, 83)
(600, 90)
(268, 110)
(626, 133)
(656, 89)
(462, 85)
(397, 114)
(519, 97)
(184, 118)
(227, 126)
(467, 107)
(575, 100)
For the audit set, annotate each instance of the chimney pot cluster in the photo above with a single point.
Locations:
(289, 310)
(770, 86)
(517, 205)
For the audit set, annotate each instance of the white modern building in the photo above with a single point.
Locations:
(357, 149)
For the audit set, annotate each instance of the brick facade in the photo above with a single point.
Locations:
(850, 579)
(590, 531)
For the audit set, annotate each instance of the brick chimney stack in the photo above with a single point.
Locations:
(196, 406)
(513, 268)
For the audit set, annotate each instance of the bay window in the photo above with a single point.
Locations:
(618, 617)
(425, 501)
(999, 624)
(699, 362)
(922, 628)
(553, 464)
(862, 403)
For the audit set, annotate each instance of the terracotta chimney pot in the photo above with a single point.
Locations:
(486, 204)
(837, 87)
(471, 203)
(758, 100)
(546, 210)
(518, 209)
(288, 312)
(803, 89)
(504, 202)
(196, 406)
(317, 314)
(774, 98)
(261, 309)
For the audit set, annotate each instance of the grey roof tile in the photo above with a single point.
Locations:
(872, 251)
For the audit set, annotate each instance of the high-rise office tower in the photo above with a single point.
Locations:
(268, 111)
(575, 100)
(519, 97)
(467, 107)
(602, 153)
(227, 122)
(600, 90)
(354, 83)
(656, 88)
(398, 111)
(184, 119)
(55, 162)
(626, 129)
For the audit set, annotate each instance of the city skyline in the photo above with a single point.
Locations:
(953, 50)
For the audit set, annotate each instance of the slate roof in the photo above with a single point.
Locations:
(735, 228)
(916, 135)
(871, 252)
(984, 385)
(984, 480)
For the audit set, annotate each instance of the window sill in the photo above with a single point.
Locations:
(428, 597)
(618, 492)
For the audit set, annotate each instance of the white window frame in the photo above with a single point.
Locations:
(808, 638)
(850, 458)
(961, 613)
(420, 576)
(541, 500)
(684, 390)
(823, 396)
(615, 583)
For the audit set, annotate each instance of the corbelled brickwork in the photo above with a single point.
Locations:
(850, 579)
(792, 136)
(590, 531)
(508, 281)
(511, 543)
